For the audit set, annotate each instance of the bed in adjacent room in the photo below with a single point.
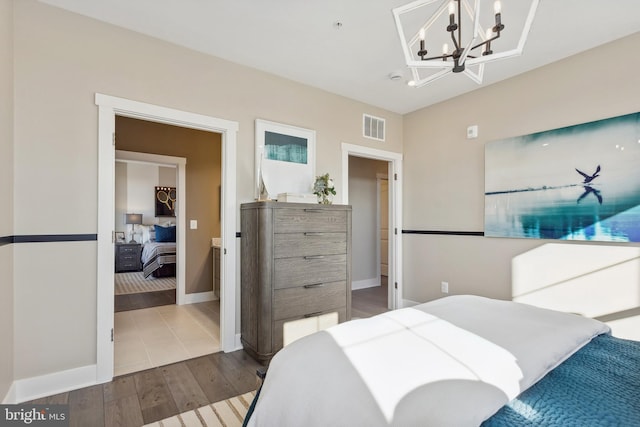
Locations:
(159, 251)
(458, 361)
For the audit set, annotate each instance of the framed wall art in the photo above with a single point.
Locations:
(580, 182)
(284, 159)
(165, 201)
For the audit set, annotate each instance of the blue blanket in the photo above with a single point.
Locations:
(598, 386)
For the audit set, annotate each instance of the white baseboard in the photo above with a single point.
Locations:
(50, 384)
(363, 284)
(11, 395)
(200, 297)
(238, 343)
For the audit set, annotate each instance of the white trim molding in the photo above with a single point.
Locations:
(47, 385)
(108, 108)
(199, 297)
(366, 283)
(395, 208)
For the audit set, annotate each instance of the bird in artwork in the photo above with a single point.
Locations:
(588, 178)
(590, 190)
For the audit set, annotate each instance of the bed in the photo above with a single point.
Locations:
(457, 361)
(158, 250)
(159, 259)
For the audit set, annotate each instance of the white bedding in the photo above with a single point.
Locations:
(449, 362)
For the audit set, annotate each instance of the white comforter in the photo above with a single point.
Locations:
(449, 362)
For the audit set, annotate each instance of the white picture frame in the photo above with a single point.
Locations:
(285, 159)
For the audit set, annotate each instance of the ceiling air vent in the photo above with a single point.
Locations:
(373, 127)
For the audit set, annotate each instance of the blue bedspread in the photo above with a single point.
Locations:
(598, 386)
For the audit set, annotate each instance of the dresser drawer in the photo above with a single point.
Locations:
(129, 249)
(309, 219)
(128, 265)
(278, 325)
(304, 300)
(308, 270)
(310, 243)
(128, 258)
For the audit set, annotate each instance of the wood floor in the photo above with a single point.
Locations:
(154, 394)
(144, 300)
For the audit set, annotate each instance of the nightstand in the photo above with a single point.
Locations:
(128, 257)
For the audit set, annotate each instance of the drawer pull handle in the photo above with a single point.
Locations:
(315, 285)
(313, 314)
(308, 233)
(313, 210)
(314, 257)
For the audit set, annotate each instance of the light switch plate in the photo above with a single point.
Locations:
(472, 132)
(193, 224)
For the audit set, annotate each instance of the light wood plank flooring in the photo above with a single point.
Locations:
(140, 398)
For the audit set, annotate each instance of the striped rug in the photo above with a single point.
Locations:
(135, 283)
(226, 413)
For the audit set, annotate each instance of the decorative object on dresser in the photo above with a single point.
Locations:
(324, 189)
(128, 257)
(296, 268)
(133, 219)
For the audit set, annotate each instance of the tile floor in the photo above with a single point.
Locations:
(156, 336)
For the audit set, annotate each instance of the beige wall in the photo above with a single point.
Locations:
(444, 171)
(61, 61)
(6, 178)
(203, 177)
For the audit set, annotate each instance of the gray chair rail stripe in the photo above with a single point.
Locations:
(445, 232)
(43, 238)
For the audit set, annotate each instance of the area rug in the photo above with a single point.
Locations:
(227, 413)
(135, 283)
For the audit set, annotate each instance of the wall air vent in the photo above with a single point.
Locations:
(373, 127)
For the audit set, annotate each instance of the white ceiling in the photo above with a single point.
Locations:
(297, 39)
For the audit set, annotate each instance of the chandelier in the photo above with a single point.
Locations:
(463, 50)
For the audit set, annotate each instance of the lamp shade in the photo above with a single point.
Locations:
(133, 218)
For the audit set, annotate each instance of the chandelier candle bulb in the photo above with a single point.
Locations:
(422, 52)
(497, 8)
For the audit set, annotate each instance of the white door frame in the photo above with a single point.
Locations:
(395, 208)
(108, 108)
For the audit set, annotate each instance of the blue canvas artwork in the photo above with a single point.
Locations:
(580, 182)
(285, 148)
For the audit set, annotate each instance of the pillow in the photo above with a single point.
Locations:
(165, 234)
(147, 230)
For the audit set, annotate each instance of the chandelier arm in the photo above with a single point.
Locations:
(455, 42)
(486, 42)
(443, 57)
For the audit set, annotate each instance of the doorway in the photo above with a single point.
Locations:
(390, 165)
(150, 330)
(369, 231)
(109, 107)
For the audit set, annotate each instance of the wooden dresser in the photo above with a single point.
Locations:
(296, 264)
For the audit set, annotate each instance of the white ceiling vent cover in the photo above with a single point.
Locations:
(373, 127)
